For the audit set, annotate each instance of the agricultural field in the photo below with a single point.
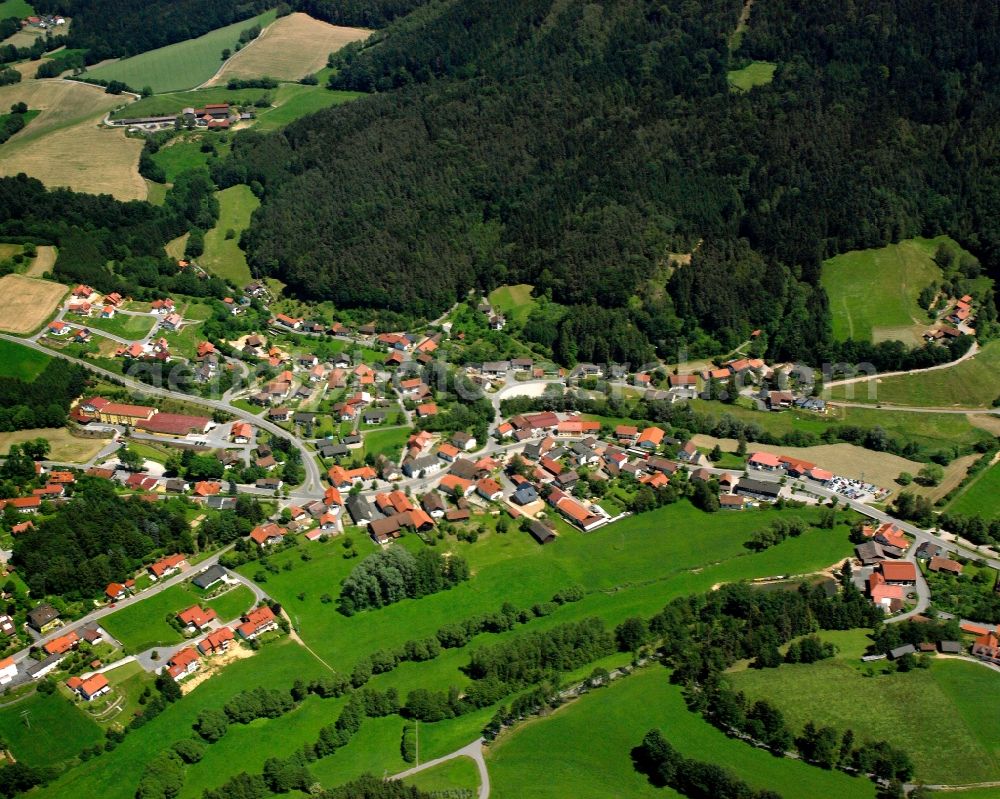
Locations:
(45, 259)
(756, 73)
(124, 326)
(973, 383)
(175, 102)
(621, 714)
(65, 447)
(46, 730)
(291, 48)
(65, 145)
(26, 303)
(223, 255)
(183, 65)
(143, 625)
(515, 302)
(951, 731)
(981, 497)
(873, 293)
(16, 360)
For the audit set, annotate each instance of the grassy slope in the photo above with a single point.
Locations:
(46, 730)
(514, 301)
(293, 101)
(223, 256)
(952, 732)
(19, 361)
(873, 289)
(144, 624)
(981, 497)
(620, 715)
(974, 383)
(756, 73)
(178, 66)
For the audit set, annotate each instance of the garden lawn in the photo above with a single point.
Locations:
(981, 497)
(587, 746)
(974, 383)
(183, 65)
(388, 442)
(46, 730)
(945, 717)
(124, 326)
(223, 255)
(873, 293)
(756, 73)
(17, 360)
(143, 625)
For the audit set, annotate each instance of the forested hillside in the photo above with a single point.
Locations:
(573, 146)
(121, 28)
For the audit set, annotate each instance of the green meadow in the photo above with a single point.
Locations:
(16, 8)
(223, 255)
(45, 730)
(974, 383)
(178, 66)
(981, 497)
(946, 717)
(388, 442)
(124, 325)
(17, 360)
(873, 293)
(454, 775)
(756, 73)
(515, 302)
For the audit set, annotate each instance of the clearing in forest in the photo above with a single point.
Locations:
(293, 47)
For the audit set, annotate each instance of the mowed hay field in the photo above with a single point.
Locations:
(66, 448)
(981, 497)
(291, 48)
(26, 302)
(178, 66)
(65, 145)
(873, 293)
(44, 260)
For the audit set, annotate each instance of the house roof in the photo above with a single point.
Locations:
(764, 459)
(92, 685)
(197, 616)
(899, 571)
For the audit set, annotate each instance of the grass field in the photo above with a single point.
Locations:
(981, 497)
(143, 625)
(17, 360)
(515, 302)
(388, 442)
(178, 66)
(65, 146)
(974, 383)
(26, 303)
(756, 73)
(292, 101)
(66, 447)
(16, 8)
(932, 430)
(619, 716)
(459, 774)
(175, 102)
(123, 325)
(223, 255)
(873, 293)
(46, 730)
(293, 47)
(952, 731)
(180, 156)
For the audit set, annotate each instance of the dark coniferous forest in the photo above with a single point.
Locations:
(573, 146)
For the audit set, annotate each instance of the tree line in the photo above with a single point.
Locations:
(394, 574)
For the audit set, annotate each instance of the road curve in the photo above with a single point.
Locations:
(313, 482)
(474, 751)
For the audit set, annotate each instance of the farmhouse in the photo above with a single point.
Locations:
(901, 572)
(93, 687)
(216, 642)
(987, 647)
(266, 535)
(946, 565)
(167, 566)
